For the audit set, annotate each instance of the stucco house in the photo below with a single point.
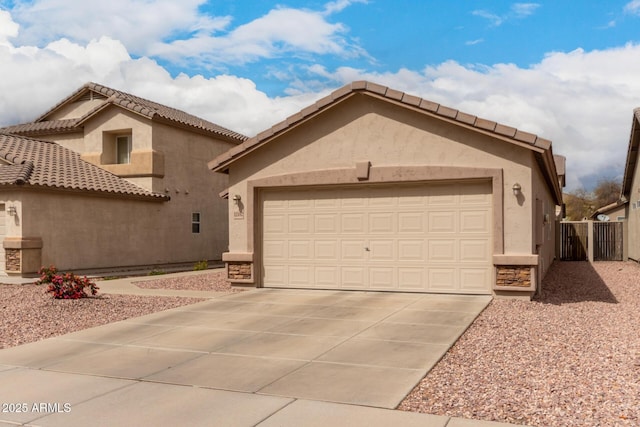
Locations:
(615, 211)
(111, 180)
(631, 190)
(371, 188)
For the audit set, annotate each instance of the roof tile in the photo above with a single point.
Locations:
(486, 124)
(394, 94)
(505, 130)
(447, 112)
(527, 137)
(466, 118)
(411, 99)
(376, 88)
(47, 164)
(134, 103)
(429, 105)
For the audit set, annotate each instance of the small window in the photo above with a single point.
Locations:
(195, 222)
(620, 218)
(123, 149)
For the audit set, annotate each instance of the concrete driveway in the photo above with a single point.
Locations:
(271, 345)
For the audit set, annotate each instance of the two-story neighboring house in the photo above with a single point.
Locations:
(106, 179)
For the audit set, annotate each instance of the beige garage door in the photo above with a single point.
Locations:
(422, 238)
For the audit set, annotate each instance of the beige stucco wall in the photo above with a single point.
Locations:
(366, 129)
(80, 232)
(75, 109)
(633, 216)
(543, 224)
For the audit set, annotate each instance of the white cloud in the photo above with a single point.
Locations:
(281, 31)
(522, 10)
(176, 31)
(633, 7)
(516, 11)
(582, 101)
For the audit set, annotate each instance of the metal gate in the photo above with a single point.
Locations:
(606, 239)
(573, 241)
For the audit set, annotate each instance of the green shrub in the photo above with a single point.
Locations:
(201, 265)
(65, 285)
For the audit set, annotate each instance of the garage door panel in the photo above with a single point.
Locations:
(275, 250)
(474, 221)
(382, 250)
(411, 250)
(474, 250)
(275, 224)
(411, 222)
(300, 224)
(300, 249)
(353, 223)
(442, 250)
(326, 276)
(434, 238)
(275, 275)
(474, 279)
(300, 276)
(353, 250)
(326, 250)
(353, 277)
(381, 222)
(382, 278)
(411, 278)
(326, 223)
(441, 279)
(442, 222)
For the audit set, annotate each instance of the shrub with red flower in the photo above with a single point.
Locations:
(65, 285)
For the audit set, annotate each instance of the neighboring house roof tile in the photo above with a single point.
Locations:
(539, 145)
(47, 164)
(45, 127)
(608, 208)
(144, 107)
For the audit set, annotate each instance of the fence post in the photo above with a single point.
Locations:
(590, 240)
(625, 243)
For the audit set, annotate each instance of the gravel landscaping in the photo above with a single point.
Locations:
(28, 313)
(569, 358)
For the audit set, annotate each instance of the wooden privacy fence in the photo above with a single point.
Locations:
(603, 242)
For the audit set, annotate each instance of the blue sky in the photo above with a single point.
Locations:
(565, 70)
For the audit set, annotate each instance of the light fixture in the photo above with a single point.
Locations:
(237, 198)
(12, 210)
(516, 189)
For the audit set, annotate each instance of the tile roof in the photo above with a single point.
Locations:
(44, 128)
(35, 163)
(144, 107)
(541, 146)
(363, 87)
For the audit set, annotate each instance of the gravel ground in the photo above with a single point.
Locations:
(569, 358)
(212, 281)
(28, 313)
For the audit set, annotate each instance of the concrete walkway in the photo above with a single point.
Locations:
(259, 358)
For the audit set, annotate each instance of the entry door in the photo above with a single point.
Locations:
(422, 238)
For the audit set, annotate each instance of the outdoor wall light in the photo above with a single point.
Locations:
(237, 198)
(516, 189)
(12, 210)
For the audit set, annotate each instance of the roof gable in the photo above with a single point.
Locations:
(540, 146)
(632, 156)
(38, 163)
(112, 97)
